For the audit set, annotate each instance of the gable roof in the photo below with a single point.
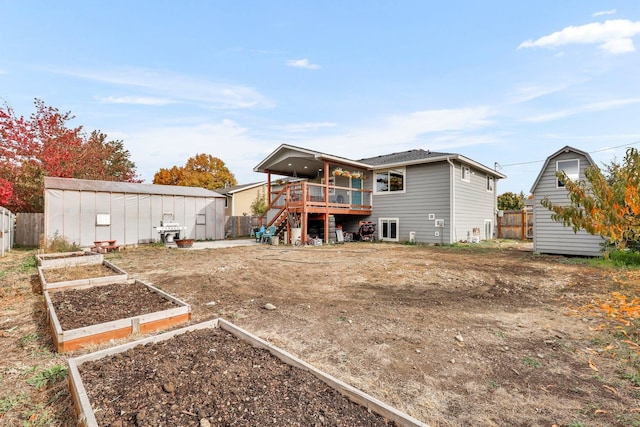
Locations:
(237, 188)
(564, 149)
(288, 158)
(125, 187)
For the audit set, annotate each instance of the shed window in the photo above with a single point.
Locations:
(201, 219)
(103, 219)
(570, 167)
(390, 181)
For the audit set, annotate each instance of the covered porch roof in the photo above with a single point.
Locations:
(289, 160)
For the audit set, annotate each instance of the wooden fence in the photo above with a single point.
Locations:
(29, 229)
(515, 224)
(240, 226)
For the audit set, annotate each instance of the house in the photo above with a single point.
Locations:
(553, 237)
(239, 198)
(415, 195)
(85, 211)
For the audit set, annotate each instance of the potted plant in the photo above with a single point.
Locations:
(338, 171)
(184, 243)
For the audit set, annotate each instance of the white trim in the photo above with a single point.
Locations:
(465, 177)
(404, 180)
(566, 161)
(389, 239)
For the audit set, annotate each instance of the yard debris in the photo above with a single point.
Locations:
(459, 338)
(269, 306)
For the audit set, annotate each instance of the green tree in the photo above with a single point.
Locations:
(511, 201)
(606, 205)
(202, 170)
(259, 204)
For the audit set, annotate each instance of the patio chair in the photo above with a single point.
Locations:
(259, 232)
(268, 234)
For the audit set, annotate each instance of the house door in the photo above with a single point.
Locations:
(488, 229)
(356, 196)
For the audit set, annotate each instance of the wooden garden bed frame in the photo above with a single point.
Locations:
(104, 332)
(69, 259)
(118, 276)
(86, 417)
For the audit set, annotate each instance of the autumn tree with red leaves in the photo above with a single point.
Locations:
(43, 145)
(202, 170)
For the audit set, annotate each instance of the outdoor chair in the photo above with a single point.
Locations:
(259, 232)
(268, 234)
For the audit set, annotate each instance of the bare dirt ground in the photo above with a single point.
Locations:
(453, 336)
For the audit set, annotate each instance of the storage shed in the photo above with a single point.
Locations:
(553, 237)
(84, 211)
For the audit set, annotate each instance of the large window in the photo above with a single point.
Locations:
(390, 181)
(388, 229)
(570, 167)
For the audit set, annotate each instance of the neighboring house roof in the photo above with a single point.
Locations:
(564, 149)
(288, 159)
(125, 187)
(236, 188)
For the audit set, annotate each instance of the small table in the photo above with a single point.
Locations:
(104, 246)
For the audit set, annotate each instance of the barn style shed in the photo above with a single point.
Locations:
(85, 211)
(553, 237)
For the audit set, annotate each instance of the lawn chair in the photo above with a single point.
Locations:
(259, 232)
(268, 234)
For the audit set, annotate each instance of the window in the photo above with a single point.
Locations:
(466, 174)
(226, 202)
(388, 229)
(490, 183)
(201, 219)
(570, 167)
(390, 181)
(332, 183)
(103, 219)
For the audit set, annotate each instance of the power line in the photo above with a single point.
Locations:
(590, 152)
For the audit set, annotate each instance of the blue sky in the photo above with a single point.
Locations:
(504, 82)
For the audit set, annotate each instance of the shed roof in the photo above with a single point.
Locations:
(564, 149)
(236, 188)
(125, 187)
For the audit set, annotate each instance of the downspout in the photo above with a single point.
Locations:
(452, 202)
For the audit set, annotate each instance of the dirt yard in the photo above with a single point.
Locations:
(454, 336)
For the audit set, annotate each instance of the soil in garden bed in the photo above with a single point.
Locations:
(63, 274)
(76, 308)
(213, 375)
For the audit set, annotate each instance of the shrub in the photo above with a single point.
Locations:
(58, 243)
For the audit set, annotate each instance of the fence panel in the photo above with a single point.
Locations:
(515, 225)
(238, 226)
(29, 229)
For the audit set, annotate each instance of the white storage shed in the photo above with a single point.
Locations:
(84, 211)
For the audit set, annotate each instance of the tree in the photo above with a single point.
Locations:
(511, 201)
(608, 206)
(259, 204)
(43, 145)
(202, 170)
(5, 191)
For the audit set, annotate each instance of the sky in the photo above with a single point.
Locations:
(504, 83)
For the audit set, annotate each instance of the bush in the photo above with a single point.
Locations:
(625, 257)
(58, 243)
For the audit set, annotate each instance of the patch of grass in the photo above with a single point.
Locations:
(49, 376)
(58, 243)
(633, 377)
(493, 385)
(38, 416)
(27, 339)
(499, 333)
(530, 361)
(577, 424)
(9, 402)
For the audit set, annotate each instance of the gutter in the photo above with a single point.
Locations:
(452, 201)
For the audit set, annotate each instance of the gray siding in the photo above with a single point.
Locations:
(473, 205)
(552, 237)
(427, 192)
(72, 214)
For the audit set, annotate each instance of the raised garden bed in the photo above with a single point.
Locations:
(217, 372)
(72, 276)
(69, 259)
(100, 313)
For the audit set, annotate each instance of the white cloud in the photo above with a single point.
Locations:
(175, 87)
(302, 63)
(604, 12)
(613, 36)
(596, 106)
(530, 92)
(137, 100)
